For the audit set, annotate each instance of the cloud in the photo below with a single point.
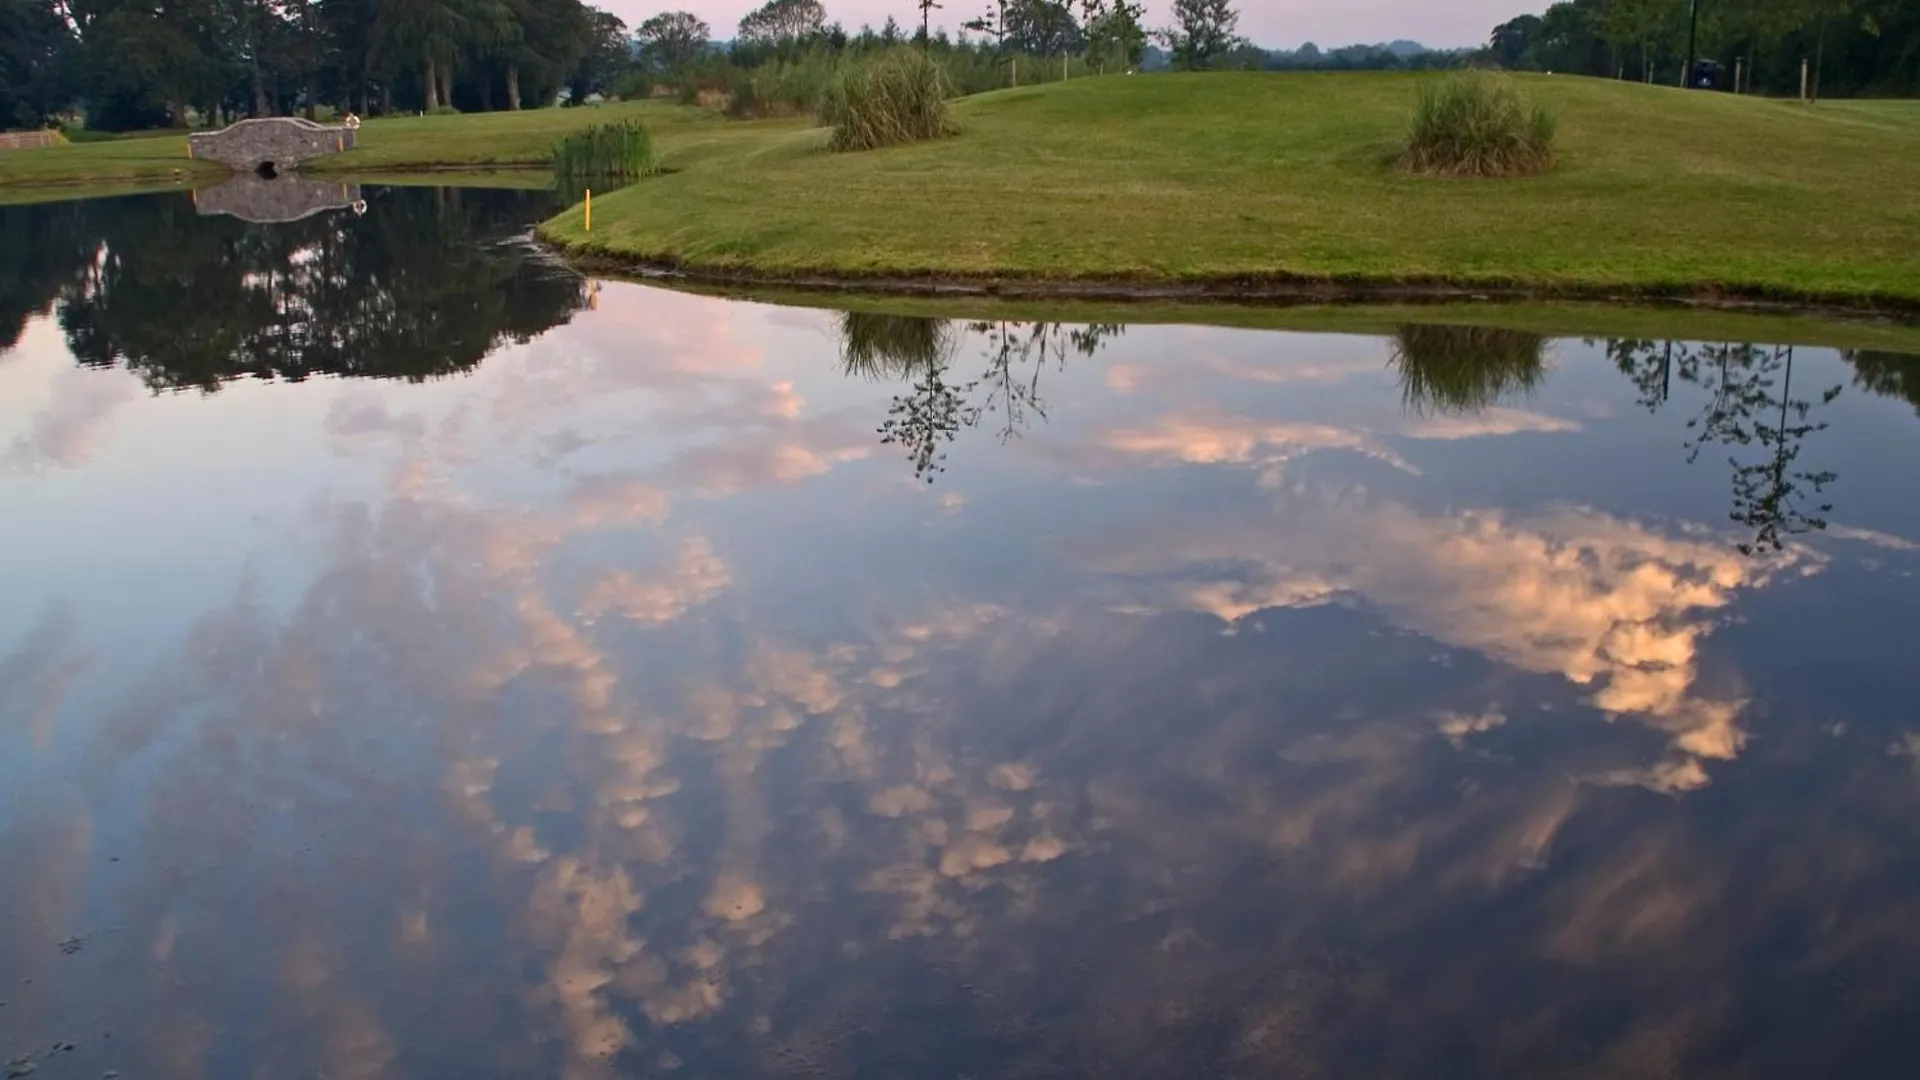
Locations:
(1204, 437)
(696, 576)
(1606, 604)
(782, 455)
(1497, 420)
(67, 431)
(1210, 436)
(1125, 377)
(1907, 746)
(362, 417)
(40, 671)
(1873, 537)
(1457, 727)
(1666, 777)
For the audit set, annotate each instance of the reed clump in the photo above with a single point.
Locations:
(622, 151)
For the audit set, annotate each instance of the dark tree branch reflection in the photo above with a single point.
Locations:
(1750, 405)
(921, 349)
(1895, 375)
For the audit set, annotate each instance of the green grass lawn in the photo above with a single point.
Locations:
(1226, 177)
(1217, 179)
(111, 167)
(387, 146)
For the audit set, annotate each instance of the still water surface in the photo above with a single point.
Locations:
(418, 662)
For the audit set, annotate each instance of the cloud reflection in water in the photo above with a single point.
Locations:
(1156, 759)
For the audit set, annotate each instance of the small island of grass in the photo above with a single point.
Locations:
(1263, 184)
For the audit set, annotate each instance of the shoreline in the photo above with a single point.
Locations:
(1278, 290)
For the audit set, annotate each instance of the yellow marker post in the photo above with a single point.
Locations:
(189, 149)
(589, 209)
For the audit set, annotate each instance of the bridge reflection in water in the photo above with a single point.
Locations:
(287, 198)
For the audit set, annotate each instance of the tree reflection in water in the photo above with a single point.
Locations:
(924, 421)
(1453, 370)
(425, 285)
(1887, 374)
(1750, 404)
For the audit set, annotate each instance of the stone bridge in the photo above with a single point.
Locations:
(286, 198)
(269, 146)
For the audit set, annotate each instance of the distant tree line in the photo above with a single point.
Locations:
(1852, 47)
(131, 64)
(139, 64)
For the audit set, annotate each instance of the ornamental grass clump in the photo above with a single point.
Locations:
(1478, 124)
(898, 98)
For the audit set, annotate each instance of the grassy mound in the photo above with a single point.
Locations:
(898, 98)
(622, 151)
(1235, 177)
(1480, 125)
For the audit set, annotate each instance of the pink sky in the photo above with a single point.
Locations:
(1274, 23)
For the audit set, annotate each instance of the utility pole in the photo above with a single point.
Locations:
(1693, 41)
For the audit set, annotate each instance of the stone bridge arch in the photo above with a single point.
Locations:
(270, 146)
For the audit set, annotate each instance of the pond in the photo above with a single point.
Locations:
(417, 660)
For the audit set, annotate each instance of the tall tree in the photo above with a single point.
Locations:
(437, 34)
(1203, 32)
(1114, 33)
(550, 39)
(354, 62)
(607, 58)
(1042, 27)
(672, 41)
(140, 58)
(927, 8)
(37, 53)
(993, 24)
(783, 22)
(1642, 25)
(1513, 42)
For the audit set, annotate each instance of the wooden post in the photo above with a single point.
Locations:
(1739, 65)
(589, 209)
(1804, 71)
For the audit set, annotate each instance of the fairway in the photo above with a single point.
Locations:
(1231, 182)
(1224, 178)
(500, 140)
